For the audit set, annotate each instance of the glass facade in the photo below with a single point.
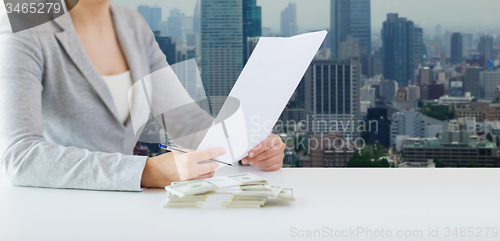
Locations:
(252, 23)
(398, 45)
(361, 24)
(221, 46)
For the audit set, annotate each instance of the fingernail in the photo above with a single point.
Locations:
(251, 154)
(244, 161)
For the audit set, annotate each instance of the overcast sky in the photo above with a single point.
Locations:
(314, 14)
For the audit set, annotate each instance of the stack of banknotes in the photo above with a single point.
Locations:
(236, 191)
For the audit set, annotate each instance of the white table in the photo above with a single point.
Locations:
(341, 199)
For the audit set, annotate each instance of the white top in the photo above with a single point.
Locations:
(336, 198)
(119, 86)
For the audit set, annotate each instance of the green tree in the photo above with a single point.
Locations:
(474, 100)
(496, 101)
(420, 103)
(490, 165)
(364, 160)
(438, 162)
(459, 164)
(489, 137)
(384, 162)
(472, 165)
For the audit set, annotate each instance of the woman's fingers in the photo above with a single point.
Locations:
(200, 156)
(204, 176)
(206, 167)
(192, 165)
(265, 145)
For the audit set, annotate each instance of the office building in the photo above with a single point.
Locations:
(361, 25)
(251, 44)
(167, 46)
(485, 47)
(447, 100)
(398, 47)
(457, 48)
(388, 90)
(332, 96)
(455, 150)
(468, 41)
(368, 94)
(197, 18)
(340, 11)
(426, 76)
(378, 63)
(490, 80)
(331, 151)
(457, 88)
(175, 23)
(414, 125)
(349, 48)
(479, 111)
(184, 53)
(379, 127)
(447, 45)
(152, 16)
(405, 105)
(289, 25)
(401, 94)
(252, 24)
(471, 81)
(419, 47)
(435, 91)
(221, 48)
(413, 93)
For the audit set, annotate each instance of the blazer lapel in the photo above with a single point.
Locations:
(73, 47)
(126, 36)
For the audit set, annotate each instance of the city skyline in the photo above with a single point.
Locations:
(425, 13)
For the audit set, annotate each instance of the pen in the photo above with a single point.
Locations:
(169, 148)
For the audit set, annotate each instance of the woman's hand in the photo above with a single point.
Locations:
(162, 170)
(268, 155)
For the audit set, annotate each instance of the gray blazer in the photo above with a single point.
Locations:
(59, 127)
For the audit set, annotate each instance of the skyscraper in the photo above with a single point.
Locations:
(485, 47)
(221, 48)
(197, 18)
(379, 127)
(155, 18)
(471, 81)
(388, 90)
(289, 21)
(457, 48)
(398, 49)
(419, 47)
(361, 24)
(167, 46)
(349, 48)
(145, 11)
(332, 93)
(340, 24)
(252, 24)
(490, 80)
(174, 23)
(152, 16)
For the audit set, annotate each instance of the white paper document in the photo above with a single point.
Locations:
(261, 93)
